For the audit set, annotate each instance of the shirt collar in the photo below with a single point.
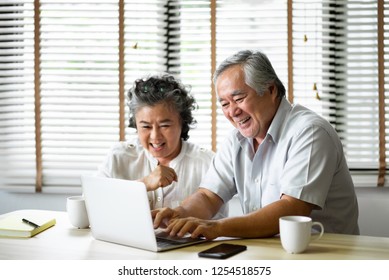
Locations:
(278, 120)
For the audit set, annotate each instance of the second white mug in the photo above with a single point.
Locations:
(296, 233)
(76, 208)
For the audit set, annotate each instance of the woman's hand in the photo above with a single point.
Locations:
(161, 176)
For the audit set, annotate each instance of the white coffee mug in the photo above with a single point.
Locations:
(296, 233)
(76, 208)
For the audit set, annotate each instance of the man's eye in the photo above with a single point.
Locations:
(223, 104)
(238, 100)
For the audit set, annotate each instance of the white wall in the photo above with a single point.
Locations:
(373, 207)
(374, 211)
(10, 201)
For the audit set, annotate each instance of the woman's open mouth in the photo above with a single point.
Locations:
(157, 147)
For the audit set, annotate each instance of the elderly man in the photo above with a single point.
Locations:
(281, 160)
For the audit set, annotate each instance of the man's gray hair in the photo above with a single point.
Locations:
(258, 71)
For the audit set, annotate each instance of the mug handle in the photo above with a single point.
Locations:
(314, 237)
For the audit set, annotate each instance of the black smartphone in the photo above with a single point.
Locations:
(222, 251)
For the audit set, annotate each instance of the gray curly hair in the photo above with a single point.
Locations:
(161, 88)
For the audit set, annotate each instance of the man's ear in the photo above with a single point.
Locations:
(273, 89)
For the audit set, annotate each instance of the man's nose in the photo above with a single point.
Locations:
(234, 110)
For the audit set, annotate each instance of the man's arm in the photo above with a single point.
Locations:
(261, 223)
(202, 204)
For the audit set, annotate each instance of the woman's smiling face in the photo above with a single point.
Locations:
(159, 131)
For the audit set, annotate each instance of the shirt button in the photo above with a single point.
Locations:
(255, 208)
(159, 198)
(257, 181)
(131, 146)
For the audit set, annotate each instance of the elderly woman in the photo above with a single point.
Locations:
(160, 157)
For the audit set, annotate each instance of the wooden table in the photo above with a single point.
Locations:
(64, 242)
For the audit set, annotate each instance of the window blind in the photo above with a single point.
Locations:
(256, 25)
(189, 53)
(145, 46)
(17, 129)
(308, 56)
(79, 87)
(336, 48)
(83, 60)
(352, 81)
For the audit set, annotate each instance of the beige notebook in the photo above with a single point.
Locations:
(25, 226)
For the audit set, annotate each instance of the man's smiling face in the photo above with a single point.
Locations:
(250, 113)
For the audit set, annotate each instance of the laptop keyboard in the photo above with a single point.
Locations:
(163, 243)
(166, 241)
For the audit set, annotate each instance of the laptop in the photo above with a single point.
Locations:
(119, 212)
